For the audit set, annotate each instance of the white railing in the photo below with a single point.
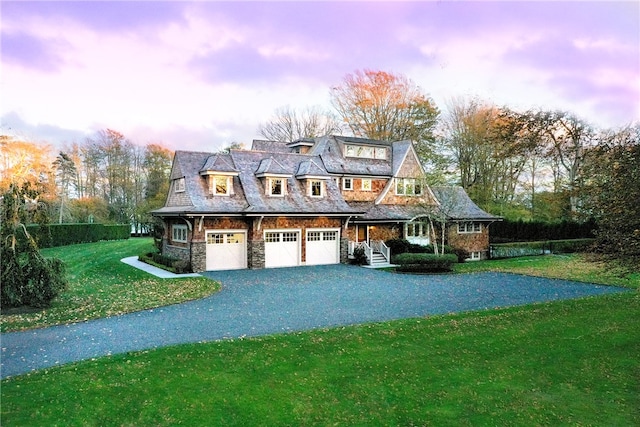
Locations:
(367, 249)
(379, 246)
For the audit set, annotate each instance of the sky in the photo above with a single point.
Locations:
(202, 75)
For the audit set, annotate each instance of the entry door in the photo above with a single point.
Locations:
(226, 250)
(281, 248)
(363, 233)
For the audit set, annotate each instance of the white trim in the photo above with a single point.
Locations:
(179, 185)
(178, 229)
(344, 187)
(362, 181)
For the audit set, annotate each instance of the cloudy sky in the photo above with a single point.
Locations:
(204, 74)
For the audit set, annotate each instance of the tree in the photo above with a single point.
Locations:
(27, 277)
(387, 106)
(612, 171)
(288, 124)
(568, 139)
(65, 175)
(23, 161)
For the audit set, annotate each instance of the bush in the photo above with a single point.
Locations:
(53, 235)
(168, 263)
(520, 231)
(398, 246)
(424, 263)
(359, 256)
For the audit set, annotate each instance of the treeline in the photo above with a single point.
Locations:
(105, 179)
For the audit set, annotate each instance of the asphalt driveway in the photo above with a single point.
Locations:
(270, 301)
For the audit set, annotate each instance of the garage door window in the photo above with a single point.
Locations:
(330, 235)
(314, 236)
(289, 237)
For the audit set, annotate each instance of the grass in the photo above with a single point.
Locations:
(100, 286)
(563, 363)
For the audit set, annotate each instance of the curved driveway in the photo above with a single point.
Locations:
(262, 302)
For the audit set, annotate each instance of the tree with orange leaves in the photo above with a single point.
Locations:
(386, 106)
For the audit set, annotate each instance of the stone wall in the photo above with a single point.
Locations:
(255, 255)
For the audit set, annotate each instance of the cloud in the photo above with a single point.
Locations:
(27, 50)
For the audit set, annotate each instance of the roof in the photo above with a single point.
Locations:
(457, 205)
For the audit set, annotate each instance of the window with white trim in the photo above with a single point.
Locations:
(347, 183)
(178, 185)
(315, 188)
(469, 227)
(408, 187)
(366, 184)
(365, 151)
(179, 233)
(220, 185)
(276, 186)
(417, 229)
(475, 256)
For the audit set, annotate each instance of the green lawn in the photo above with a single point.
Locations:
(562, 363)
(100, 285)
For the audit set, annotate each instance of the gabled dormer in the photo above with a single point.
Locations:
(314, 178)
(219, 172)
(274, 177)
(302, 145)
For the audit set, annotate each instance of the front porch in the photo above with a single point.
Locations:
(378, 254)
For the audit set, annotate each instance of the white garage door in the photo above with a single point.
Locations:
(226, 250)
(281, 248)
(323, 247)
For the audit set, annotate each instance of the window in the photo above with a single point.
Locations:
(366, 185)
(220, 185)
(469, 227)
(365, 152)
(313, 236)
(408, 187)
(347, 183)
(330, 235)
(178, 185)
(290, 237)
(276, 187)
(315, 188)
(179, 233)
(475, 256)
(272, 237)
(417, 229)
(215, 239)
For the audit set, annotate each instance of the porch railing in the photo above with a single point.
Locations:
(379, 246)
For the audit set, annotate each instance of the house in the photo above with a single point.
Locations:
(306, 202)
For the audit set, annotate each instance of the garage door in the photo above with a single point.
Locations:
(323, 247)
(226, 250)
(281, 248)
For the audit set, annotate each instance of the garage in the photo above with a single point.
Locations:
(281, 248)
(226, 250)
(323, 246)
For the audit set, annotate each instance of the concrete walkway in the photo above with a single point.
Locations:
(271, 301)
(158, 272)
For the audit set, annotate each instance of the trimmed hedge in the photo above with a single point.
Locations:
(424, 263)
(53, 235)
(531, 231)
(512, 250)
(401, 246)
(168, 263)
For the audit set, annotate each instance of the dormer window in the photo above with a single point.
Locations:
(315, 188)
(365, 151)
(220, 185)
(179, 185)
(276, 186)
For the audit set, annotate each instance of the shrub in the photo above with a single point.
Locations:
(359, 256)
(398, 246)
(424, 263)
(53, 235)
(168, 263)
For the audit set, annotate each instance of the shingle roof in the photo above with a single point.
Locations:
(219, 163)
(457, 205)
(331, 150)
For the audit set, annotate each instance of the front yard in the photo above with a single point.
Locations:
(570, 362)
(100, 286)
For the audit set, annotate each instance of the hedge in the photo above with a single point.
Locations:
(424, 263)
(52, 235)
(521, 231)
(511, 250)
(165, 262)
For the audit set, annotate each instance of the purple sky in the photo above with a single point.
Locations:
(202, 75)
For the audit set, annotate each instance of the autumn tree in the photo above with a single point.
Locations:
(288, 124)
(612, 191)
(386, 106)
(23, 161)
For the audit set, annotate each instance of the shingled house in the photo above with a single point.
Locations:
(307, 202)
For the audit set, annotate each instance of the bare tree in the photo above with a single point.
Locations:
(288, 124)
